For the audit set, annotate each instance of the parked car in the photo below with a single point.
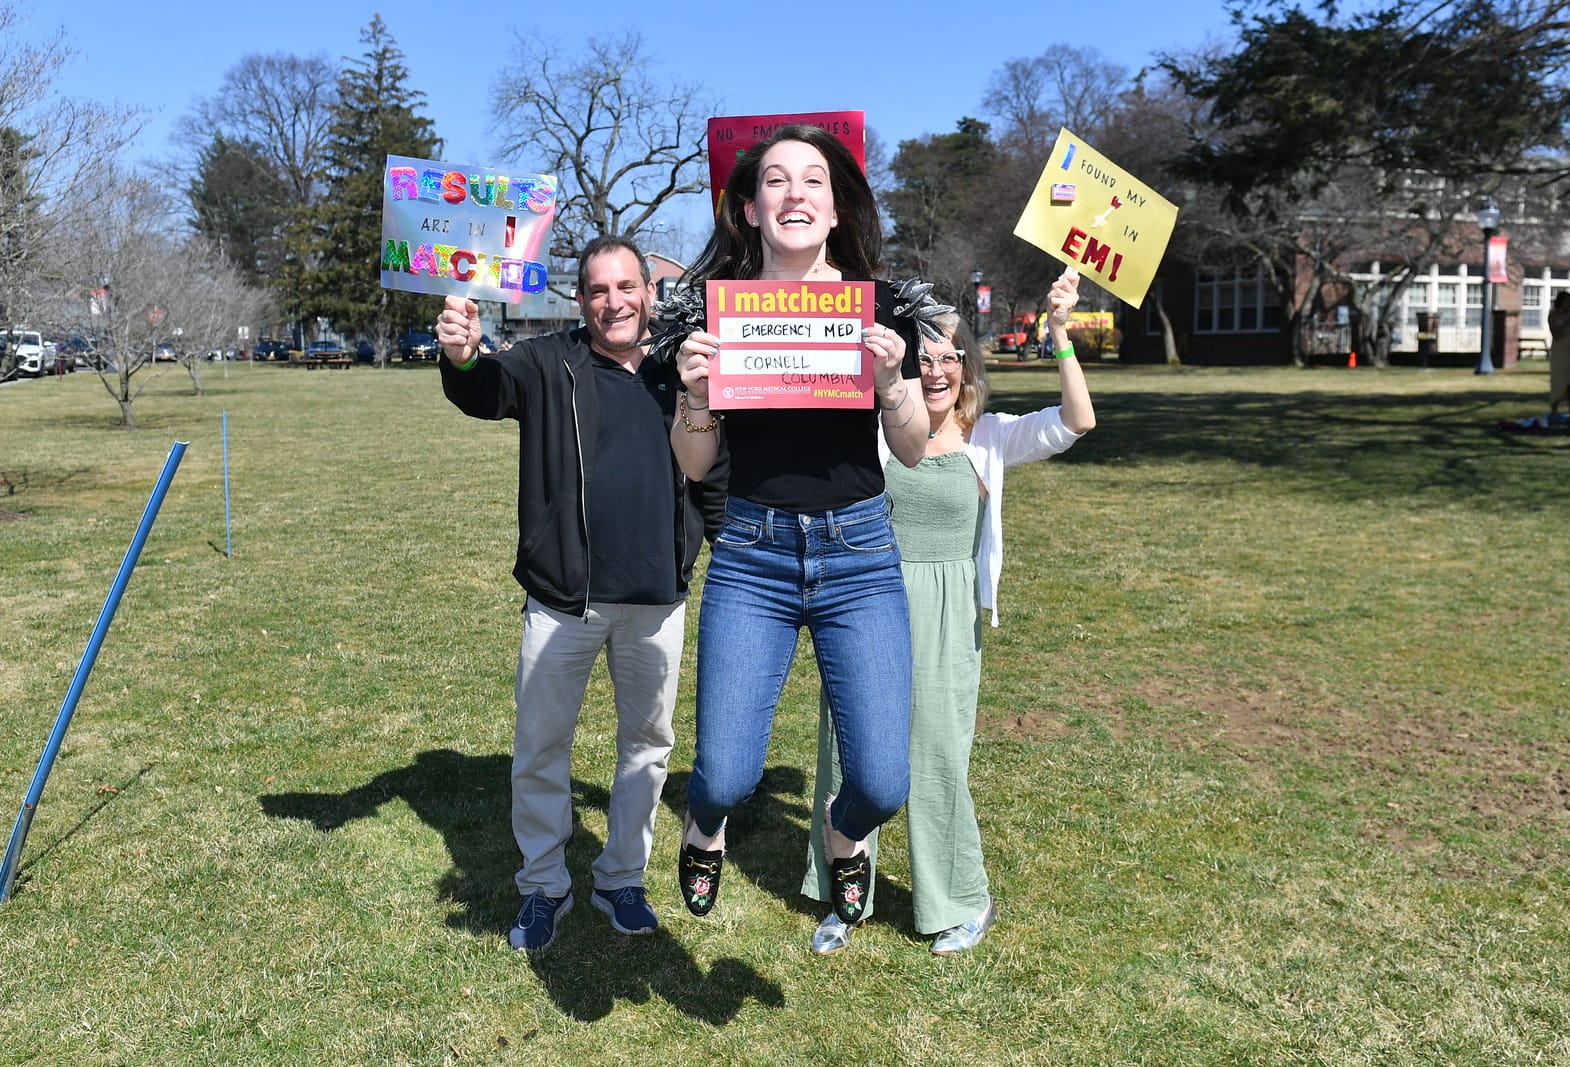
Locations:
(165, 352)
(417, 345)
(323, 349)
(78, 352)
(32, 356)
(364, 351)
(272, 350)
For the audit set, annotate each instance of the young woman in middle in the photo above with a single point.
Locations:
(807, 539)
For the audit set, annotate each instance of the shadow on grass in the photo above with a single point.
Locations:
(107, 794)
(1344, 445)
(467, 800)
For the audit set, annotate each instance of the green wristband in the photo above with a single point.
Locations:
(1064, 353)
(469, 363)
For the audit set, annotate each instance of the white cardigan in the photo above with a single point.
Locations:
(998, 442)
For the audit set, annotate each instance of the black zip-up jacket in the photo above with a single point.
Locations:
(547, 384)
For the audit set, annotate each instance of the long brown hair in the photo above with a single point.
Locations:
(855, 246)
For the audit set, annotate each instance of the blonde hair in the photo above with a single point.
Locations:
(973, 386)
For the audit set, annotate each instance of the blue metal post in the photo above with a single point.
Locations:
(228, 525)
(24, 819)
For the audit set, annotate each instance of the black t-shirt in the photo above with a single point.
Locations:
(632, 562)
(806, 460)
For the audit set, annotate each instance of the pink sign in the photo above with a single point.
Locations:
(790, 344)
(730, 137)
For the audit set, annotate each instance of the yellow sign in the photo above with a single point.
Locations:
(1093, 215)
(1089, 320)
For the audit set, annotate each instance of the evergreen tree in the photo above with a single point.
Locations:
(938, 181)
(335, 244)
(238, 204)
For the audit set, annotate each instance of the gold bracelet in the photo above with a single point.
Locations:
(681, 408)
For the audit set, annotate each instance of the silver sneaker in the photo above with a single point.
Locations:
(966, 935)
(831, 936)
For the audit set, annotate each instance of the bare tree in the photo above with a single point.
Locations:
(622, 145)
(1064, 86)
(880, 164)
(47, 142)
(128, 279)
(219, 300)
(282, 105)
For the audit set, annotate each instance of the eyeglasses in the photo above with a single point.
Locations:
(947, 361)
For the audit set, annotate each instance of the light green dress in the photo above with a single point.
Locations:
(937, 514)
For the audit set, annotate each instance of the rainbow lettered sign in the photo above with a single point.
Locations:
(730, 137)
(790, 344)
(1096, 217)
(457, 230)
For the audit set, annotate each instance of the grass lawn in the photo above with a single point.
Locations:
(1272, 764)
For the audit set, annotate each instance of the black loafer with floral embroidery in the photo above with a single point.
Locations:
(849, 881)
(698, 872)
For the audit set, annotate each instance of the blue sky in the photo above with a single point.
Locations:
(911, 72)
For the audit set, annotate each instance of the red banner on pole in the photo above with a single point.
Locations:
(1498, 269)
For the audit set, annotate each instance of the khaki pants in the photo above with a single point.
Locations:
(642, 646)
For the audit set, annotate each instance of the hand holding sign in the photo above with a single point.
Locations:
(696, 351)
(1063, 296)
(458, 329)
(888, 354)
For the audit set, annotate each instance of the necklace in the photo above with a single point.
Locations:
(815, 269)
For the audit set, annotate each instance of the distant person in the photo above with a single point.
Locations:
(1559, 355)
(608, 529)
(1044, 336)
(948, 515)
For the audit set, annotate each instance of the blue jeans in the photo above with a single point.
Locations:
(770, 573)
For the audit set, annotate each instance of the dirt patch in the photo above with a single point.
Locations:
(12, 516)
(1457, 768)
(1034, 725)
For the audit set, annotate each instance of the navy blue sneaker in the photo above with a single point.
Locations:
(534, 930)
(628, 908)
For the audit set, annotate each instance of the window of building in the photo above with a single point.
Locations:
(1235, 302)
(1446, 294)
(1226, 307)
(1204, 305)
(1533, 307)
(1474, 303)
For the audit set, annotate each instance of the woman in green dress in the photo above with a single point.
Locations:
(948, 519)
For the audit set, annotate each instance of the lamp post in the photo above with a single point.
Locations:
(1488, 222)
(975, 315)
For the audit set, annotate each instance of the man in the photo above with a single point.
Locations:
(608, 532)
